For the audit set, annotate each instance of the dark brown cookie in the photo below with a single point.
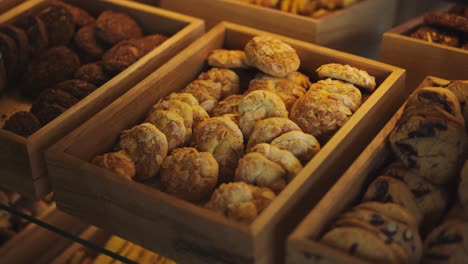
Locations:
(80, 17)
(37, 34)
(434, 35)
(9, 53)
(148, 43)
(21, 40)
(77, 88)
(448, 243)
(59, 24)
(122, 55)
(23, 124)
(93, 73)
(85, 40)
(53, 66)
(51, 103)
(447, 20)
(113, 27)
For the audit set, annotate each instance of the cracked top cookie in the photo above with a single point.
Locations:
(349, 74)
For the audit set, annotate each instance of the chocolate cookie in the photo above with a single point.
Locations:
(93, 73)
(434, 35)
(77, 88)
(52, 103)
(448, 243)
(448, 20)
(9, 52)
(148, 43)
(80, 17)
(21, 40)
(85, 40)
(37, 34)
(114, 27)
(23, 124)
(53, 66)
(59, 24)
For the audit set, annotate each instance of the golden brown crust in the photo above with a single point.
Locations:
(206, 92)
(232, 59)
(147, 147)
(299, 79)
(230, 105)
(118, 162)
(346, 92)
(258, 105)
(271, 56)
(302, 145)
(189, 174)
(171, 124)
(229, 80)
(187, 98)
(347, 73)
(240, 201)
(180, 108)
(268, 129)
(223, 138)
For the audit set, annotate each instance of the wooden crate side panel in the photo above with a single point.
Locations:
(421, 58)
(215, 11)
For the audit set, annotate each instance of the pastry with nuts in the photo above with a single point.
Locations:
(349, 74)
(118, 162)
(267, 130)
(228, 79)
(170, 124)
(302, 145)
(231, 59)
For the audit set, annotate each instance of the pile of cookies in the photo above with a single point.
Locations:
(448, 28)
(411, 195)
(11, 224)
(124, 248)
(61, 54)
(312, 8)
(241, 147)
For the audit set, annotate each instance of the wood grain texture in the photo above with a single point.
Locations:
(349, 30)
(341, 197)
(27, 167)
(6, 5)
(192, 233)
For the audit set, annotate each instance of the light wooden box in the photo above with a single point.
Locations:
(354, 29)
(302, 244)
(35, 244)
(421, 58)
(186, 232)
(22, 164)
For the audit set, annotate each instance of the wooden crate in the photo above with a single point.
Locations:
(22, 164)
(421, 58)
(302, 244)
(35, 244)
(186, 232)
(355, 29)
(6, 5)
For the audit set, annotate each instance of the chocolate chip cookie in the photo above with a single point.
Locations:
(448, 243)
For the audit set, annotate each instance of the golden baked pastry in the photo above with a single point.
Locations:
(272, 56)
(171, 124)
(231, 59)
(229, 80)
(187, 98)
(299, 79)
(346, 92)
(117, 162)
(302, 145)
(240, 201)
(230, 105)
(207, 93)
(233, 117)
(199, 114)
(268, 129)
(223, 138)
(180, 108)
(189, 174)
(319, 112)
(287, 90)
(349, 74)
(258, 105)
(147, 146)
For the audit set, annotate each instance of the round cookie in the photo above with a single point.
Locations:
(93, 73)
(229, 80)
(206, 92)
(268, 129)
(258, 105)
(182, 109)
(147, 146)
(121, 56)
(444, 19)
(117, 162)
(390, 190)
(299, 79)
(240, 201)
(22, 123)
(189, 174)
(199, 115)
(36, 31)
(272, 56)
(231, 59)
(361, 243)
(22, 45)
(230, 105)
(86, 41)
(223, 138)
(80, 17)
(434, 35)
(184, 97)
(346, 92)
(300, 144)
(171, 124)
(349, 74)
(113, 27)
(392, 210)
(448, 243)
(59, 24)
(51, 103)
(148, 43)
(77, 88)
(319, 113)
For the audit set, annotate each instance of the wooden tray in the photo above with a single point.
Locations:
(35, 244)
(22, 165)
(6, 5)
(353, 29)
(421, 58)
(302, 244)
(186, 232)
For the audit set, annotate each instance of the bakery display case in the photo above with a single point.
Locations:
(423, 189)
(22, 166)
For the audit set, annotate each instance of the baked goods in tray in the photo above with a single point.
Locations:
(22, 123)
(242, 146)
(424, 178)
(118, 162)
(62, 50)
